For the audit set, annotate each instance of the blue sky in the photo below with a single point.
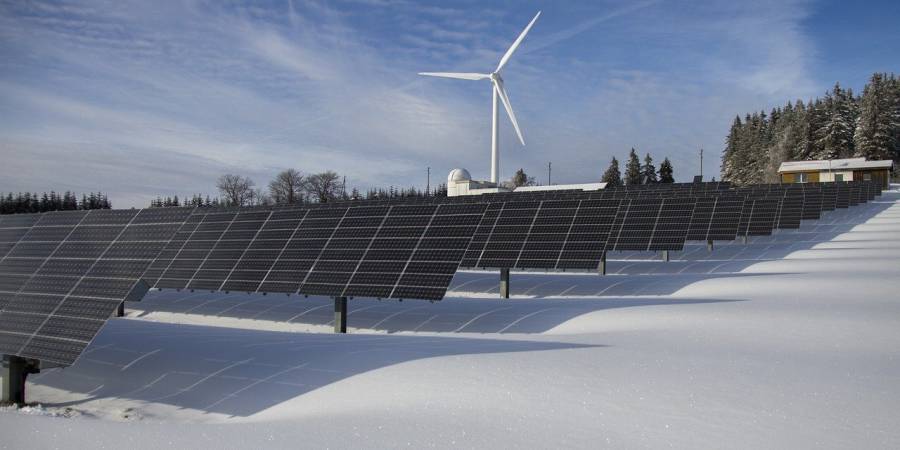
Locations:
(139, 99)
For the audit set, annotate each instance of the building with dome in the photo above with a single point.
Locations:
(460, 182)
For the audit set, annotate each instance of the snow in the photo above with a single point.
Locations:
(790, 341)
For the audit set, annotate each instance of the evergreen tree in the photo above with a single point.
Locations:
(836, 133)
(648, 171)
(612, 176)
(633, 169)
(522, 179)
(666, 172)
(729, 169)
(873, 137)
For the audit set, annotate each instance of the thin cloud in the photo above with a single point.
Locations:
(141, 102)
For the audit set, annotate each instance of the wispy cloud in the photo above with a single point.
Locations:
(140, 100)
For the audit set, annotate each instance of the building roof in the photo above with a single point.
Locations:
(563, 187)
(834, 164)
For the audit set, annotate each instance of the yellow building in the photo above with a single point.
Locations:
(823, 171)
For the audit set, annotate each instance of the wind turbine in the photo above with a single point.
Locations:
(497, 90)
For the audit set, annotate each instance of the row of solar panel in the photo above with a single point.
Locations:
(62, 274)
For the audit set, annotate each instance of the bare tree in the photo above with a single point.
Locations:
(324, 186)
(236, 190)
(287, 187)
(259, 197)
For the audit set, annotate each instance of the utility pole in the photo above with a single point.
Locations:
(549, 171)
(701, 164)
(428, 183)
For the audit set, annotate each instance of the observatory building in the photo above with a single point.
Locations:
(460, 182)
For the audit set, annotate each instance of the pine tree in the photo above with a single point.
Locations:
(666, 172)
(729, 169)
(648, 171)
(835, 136)
(632, 169)
(873, 137)
(522, 179)
(612, 176)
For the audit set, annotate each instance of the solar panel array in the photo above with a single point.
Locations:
(63, 274)
(386, 251)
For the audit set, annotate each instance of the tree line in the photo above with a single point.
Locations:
(290, 187)
(838, 125)
(28, 202)
(637, 173)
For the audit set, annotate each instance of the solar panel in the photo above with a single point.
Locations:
(508, 234)
(854, 193)
(671, 227)
(716, 218)
(586, 240)
(762, 218)
(399, 251)
(829, 197)
(634, 223)
(842, 195)
(863, 196)
(790, 213)
(482, 234)
(651, 224)
(69, 272)
(543, 234)
(812, 203)
(702, 218)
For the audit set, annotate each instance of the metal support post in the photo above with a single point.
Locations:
(504, 283)
(709, 245)
(340, 314)
(120, 310)
(602, 268)
(665, 255)
(15, 370)
(744, 239)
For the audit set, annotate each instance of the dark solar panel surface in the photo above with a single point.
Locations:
(651, 224)
(400, 251)
(812, 204)
(548, 234)
(388, 251)
(716, 218)
(790, 212)
(759, 216)
(67, 273)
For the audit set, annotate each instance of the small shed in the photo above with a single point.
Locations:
(823, 171)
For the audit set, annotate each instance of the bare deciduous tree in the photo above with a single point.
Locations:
(236, 190)
(324, 186)
(287, 187)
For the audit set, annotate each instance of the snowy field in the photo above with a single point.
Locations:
(790, 341)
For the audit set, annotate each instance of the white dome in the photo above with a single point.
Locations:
(457, 175)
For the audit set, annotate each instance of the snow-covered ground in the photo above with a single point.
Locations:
(791, 341)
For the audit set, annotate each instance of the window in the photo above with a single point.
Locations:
(838, 177)
(867, 177)
(802, 178)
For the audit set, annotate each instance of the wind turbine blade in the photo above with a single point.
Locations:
(512, 116)
(458, 75)
(515, 44)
